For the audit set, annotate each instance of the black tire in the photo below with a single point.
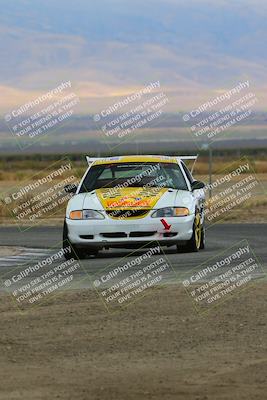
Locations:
(77, 254)
(93, 252)
(180, 248)
(194, 244)
(203, 238)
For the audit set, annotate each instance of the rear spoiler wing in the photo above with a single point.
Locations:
(185, 158)
(188, 157)
(91, 160)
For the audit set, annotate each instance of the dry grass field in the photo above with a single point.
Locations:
(16, 171)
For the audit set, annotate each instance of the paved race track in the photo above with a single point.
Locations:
(219, 238)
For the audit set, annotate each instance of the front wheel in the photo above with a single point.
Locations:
(92, 252)
(203, 238)
(70, 250)
(197, 240)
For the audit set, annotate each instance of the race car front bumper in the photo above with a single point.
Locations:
(109, 232)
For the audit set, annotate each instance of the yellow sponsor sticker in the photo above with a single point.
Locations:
(128, 198)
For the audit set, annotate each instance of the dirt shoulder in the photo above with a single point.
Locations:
(158, 348)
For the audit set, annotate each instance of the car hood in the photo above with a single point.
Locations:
(131, 198)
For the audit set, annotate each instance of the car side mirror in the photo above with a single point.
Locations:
(71, 188)
(197, 185)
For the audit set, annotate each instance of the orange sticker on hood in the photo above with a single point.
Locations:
(129, 198)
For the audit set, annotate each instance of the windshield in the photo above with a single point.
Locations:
(165, 175)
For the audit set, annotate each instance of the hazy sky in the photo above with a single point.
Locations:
(111, 47)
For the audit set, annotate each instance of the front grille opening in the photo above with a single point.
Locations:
(169, 234)
(111, 235)
(142, 234)
(87, 236)
(124, 214)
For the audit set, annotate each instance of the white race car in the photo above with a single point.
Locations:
(130, 201)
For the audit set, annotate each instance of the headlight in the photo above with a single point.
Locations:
(86, 214)
(76, 214)
(170, 212)
(92, 214)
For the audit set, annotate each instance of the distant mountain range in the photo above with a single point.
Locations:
(170, 133)
(108, 48)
